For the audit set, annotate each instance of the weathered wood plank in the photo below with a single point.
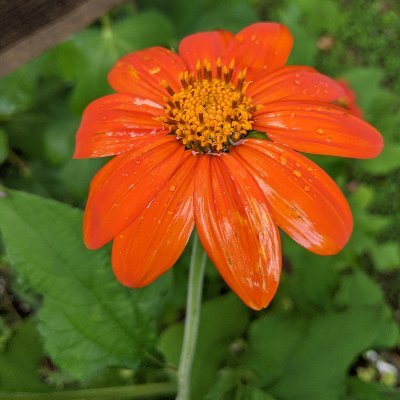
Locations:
(28, 27)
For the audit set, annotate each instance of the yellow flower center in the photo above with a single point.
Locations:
(209, 114)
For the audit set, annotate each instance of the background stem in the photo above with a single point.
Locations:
(107, 393)
(193, 307)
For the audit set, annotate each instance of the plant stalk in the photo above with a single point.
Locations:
(107, 393)
(193, 308)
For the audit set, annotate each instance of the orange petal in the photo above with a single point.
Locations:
(204, 46)
(152, 243)
(125, 186)
(261, 48)
(318, 128)
(294, 83)
(306, 202)
(141, 73)
(111, 125)
(236, 229)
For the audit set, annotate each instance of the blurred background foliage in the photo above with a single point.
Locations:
(331, 333)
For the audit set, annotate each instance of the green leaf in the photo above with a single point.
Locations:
(367, 225)
(204, 15)
(359, 390)
(235, 16)
(87, 58)
(5, 333)
(386, 256)
(19, 364)
(320, 16)
(252, 393)
(366, 83)
(85, 169)
(359, 290)
(141, 30)
(59, 139)
(386, 162)
(291, 350)
(88, 320)
(304, 48)
(17, 92)
(222, 320)
(3, 146)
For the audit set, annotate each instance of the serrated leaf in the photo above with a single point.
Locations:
(88, 320)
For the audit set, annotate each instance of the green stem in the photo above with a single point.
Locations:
(107, 393)
(193, 307)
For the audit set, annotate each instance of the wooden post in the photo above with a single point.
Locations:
(29, 27)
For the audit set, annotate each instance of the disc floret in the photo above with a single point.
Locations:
(210, 113)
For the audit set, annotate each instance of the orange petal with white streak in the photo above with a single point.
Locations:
(125, 186)
(318, 128)
(112, 124)
(153, 242)
(236, 229)
(306, 202)
(142, 73)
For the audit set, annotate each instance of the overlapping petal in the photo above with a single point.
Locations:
(294, 83)
(124, 187)
(152, 243)
(204, 46)
(306, 202)
(111, 124)
(261, 48)
(236, 229)
(318, 128)
(142, 73)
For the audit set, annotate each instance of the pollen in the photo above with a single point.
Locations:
(210, 112)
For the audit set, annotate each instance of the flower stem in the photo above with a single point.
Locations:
(193, 306)
(107, 393)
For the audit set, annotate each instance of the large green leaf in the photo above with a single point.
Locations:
(88, 320)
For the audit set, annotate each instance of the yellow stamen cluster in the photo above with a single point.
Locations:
(209, 113)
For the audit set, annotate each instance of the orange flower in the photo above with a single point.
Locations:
(179, 127)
